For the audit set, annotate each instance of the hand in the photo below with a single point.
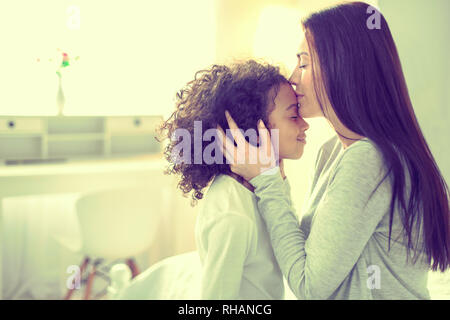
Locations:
(247, 160)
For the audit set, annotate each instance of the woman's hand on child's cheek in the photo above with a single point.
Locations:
(247, 160)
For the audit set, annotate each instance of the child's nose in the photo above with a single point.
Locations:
(303, 124)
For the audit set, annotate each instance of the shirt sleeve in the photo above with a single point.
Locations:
(343, 223)
(287, 187)
(228, 242)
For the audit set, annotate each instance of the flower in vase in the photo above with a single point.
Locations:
(60, 98)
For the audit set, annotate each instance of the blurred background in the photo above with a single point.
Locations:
(83, 84)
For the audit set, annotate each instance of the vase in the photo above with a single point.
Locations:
(60, 99)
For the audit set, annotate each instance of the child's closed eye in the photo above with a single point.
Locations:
(296, 115)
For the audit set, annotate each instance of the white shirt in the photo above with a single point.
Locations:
(234, 247)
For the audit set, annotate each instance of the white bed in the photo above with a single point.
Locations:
(174, 278)
(179, 278)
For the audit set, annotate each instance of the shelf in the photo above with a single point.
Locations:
(75, 125)
(20, 147)
(21, 135)
(73, 148)
(130, 134)
(73, 137)
(134, 144)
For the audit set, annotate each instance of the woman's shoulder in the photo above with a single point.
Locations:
(364, 150)
(362, 157)
(327, 153)
(330, 144)
(333, 146)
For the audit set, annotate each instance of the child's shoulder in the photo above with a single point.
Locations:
(228, 191)
(226, 196)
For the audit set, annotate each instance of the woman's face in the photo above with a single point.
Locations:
(302, 79)
(286, 119)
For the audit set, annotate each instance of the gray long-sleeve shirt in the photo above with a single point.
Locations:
(340, 248)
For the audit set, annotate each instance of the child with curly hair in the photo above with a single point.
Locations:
(233, 244)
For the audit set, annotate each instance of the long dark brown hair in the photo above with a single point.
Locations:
(363, 79)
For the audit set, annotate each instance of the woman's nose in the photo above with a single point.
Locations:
(294, 78)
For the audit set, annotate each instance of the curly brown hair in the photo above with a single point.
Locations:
(241, 88)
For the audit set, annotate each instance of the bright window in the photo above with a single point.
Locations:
(133, 55)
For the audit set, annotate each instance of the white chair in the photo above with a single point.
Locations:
(116, 224)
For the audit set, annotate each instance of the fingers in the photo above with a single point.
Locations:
(234, 130)
(266, 144)
(241, 153)
(263, 133)
(246, 159)
(230, 121)
(226, 145)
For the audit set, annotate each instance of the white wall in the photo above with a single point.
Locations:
(421, 31)
(133, 55)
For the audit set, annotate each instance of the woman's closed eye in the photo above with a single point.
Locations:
(303, 66)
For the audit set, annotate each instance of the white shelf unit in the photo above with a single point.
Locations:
(40, 139)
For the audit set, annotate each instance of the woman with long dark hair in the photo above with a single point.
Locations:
(377, 216)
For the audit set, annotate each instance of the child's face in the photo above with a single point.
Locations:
(286, 119)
